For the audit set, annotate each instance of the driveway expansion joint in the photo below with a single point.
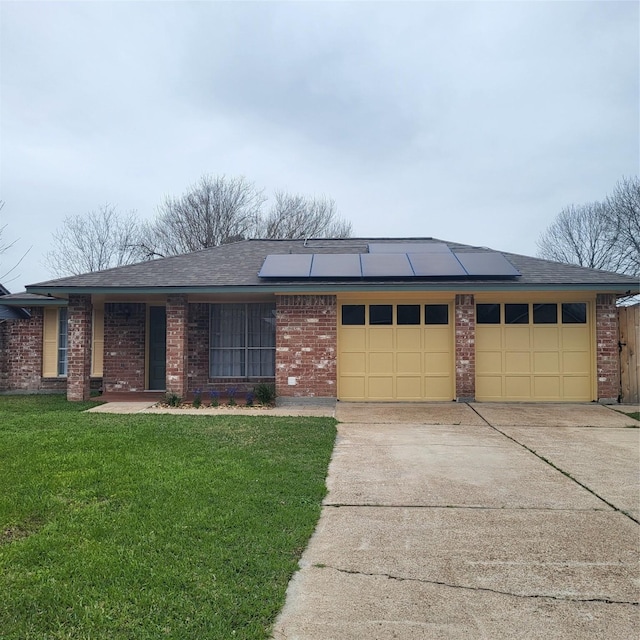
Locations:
(449, 585)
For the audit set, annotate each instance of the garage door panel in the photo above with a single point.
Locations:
(575, 337)
(546, 362)
(489, 361)
(576, 362)
(518, 387)
(576, 388)
(517, 362)
(437, 338)
(546, 338)
(353, 388)
(353, 363)
(380, 363)
(408, 338)
(353, 339)
(409, 387)
(547, 387)
(517, 338)
(408, 363)
(437, 363)
(489, 387)
(438, 388)
(381, 339)
(380, 387)
(489, 336)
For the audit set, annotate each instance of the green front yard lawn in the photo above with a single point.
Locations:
(151, 526)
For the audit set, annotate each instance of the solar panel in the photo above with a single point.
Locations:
(386, 265)
(436, 264)
(287, 265)
(408, 247)
(487, 263)
(441, 263)
(336, 265)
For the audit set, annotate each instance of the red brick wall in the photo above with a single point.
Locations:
(177, 345)
(607, 352)
(21, 356)
(198, 347)
(465, 328)
(124, 347)
(79, 348)
(306, 345)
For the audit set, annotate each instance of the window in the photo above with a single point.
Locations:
(242, 340)
(353, 314)
(488, 314)
(516, 314)
(545, 313)
(408, 313)
(380, 314)
(436, 314)
(62, 341)
(574, 313)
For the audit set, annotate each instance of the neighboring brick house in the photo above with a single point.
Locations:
(413, 319)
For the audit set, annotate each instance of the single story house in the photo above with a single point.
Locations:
(380, 319)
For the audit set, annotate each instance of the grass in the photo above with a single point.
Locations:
(141, 526)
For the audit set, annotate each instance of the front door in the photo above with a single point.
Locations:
(157, 348)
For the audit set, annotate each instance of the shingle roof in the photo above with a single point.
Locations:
(237, 265)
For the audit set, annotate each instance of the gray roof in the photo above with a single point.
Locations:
(234, 268)
(9, 312)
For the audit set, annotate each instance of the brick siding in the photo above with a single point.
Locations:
(465, 357)
(124, 347)
(177, 345)
(607, 352)
(306, 345)
(79, 347)
(21, 356)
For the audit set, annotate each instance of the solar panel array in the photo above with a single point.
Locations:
(406, 260)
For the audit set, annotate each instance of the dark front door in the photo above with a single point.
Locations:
(157, 348)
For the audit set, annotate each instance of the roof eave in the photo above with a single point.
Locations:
(294, 287)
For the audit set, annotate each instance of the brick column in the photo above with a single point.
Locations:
(79, 347)
(306, 343)
(607, 352)
(465, 319)
(177, 344)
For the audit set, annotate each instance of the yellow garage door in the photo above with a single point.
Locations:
(534, 351)
(395, 351)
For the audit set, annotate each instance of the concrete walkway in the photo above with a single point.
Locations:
(474, 521)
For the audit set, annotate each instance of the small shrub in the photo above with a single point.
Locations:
(265, 393)
(231, 394)
(197, 398)
(214, 397)
(173, 399)
(249, 400)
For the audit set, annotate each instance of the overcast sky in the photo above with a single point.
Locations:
(475, 122)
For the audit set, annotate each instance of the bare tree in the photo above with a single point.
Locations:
(623, 212)
(5, 245)
(294, 216)
(95, 241)
(216, 210)
(600, 235)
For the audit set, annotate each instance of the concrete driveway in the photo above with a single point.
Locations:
(474, 521)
